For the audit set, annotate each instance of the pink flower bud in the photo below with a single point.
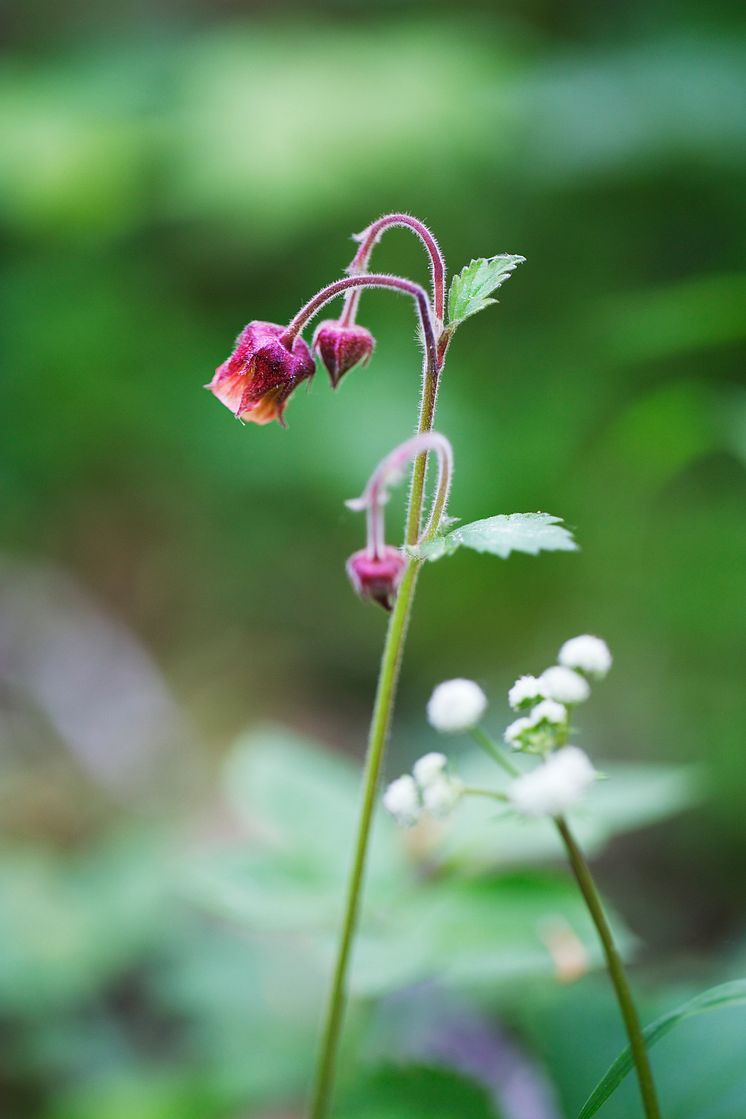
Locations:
(377, 577)
(341, 348)
(259, 376)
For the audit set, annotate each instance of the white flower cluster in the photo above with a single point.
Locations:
(537, 732)
(546, 698)
(456, 706)
(566, 772)
(555, 786)
(429, 788)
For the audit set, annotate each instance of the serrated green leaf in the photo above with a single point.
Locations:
(507, 532)
(471, 289)
(717, 998)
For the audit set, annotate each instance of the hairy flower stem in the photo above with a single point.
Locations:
(370, 280)
(419, 471)
(370, 237)
(590, 893)
(388, 677)
(382, 711)
(618, 975)
(389, 471)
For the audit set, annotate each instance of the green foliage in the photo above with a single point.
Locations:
(472, 287)
(483, 916)
(717, 998)
(68, 927)
(416, 1092)
(500, 535)
(698, 1070)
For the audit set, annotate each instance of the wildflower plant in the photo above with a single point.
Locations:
(549, 775)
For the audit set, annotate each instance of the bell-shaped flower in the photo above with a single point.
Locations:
(259, 376)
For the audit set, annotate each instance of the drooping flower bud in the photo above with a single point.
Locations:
(259, 376)
(377, 577)
(341, 347)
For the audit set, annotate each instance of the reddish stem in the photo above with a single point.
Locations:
(369, 238)
(374, 280)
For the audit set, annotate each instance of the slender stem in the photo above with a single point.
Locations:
(382, 710)
(369, 238)
(372, 280)
(588, 889)
(385, 693)
(430, 380)
(483, 739)
(493, 794)
(585, 881)
(389, 471)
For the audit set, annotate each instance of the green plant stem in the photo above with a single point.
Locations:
(417, 490)
(383, 707)
(382, 710)
(493, 750)
(585, 881)
(588, 889)
(491, 794)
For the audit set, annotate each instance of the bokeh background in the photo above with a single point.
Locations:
(169, 578)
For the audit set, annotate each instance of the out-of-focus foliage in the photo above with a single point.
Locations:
(170, 171)
(423, 922)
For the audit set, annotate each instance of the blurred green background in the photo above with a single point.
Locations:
(169, 577)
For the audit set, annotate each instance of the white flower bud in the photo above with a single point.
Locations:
(456, 705)
(564, 685)
(548, 711)
(402, 801)
(526, 691)
(516, 729)
(586, 654)
(429, 768)
(442, 795)
(555, 786)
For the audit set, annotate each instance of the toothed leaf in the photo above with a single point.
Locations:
(471, 289)
(513, 532)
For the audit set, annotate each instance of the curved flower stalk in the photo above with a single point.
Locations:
(390, 472)
(373, 280)
(370, 237)
(270, 361)
(376, 571)
(554, 787)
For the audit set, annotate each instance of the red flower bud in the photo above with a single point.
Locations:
(341, 348)
(377, 577)
(259, 376)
